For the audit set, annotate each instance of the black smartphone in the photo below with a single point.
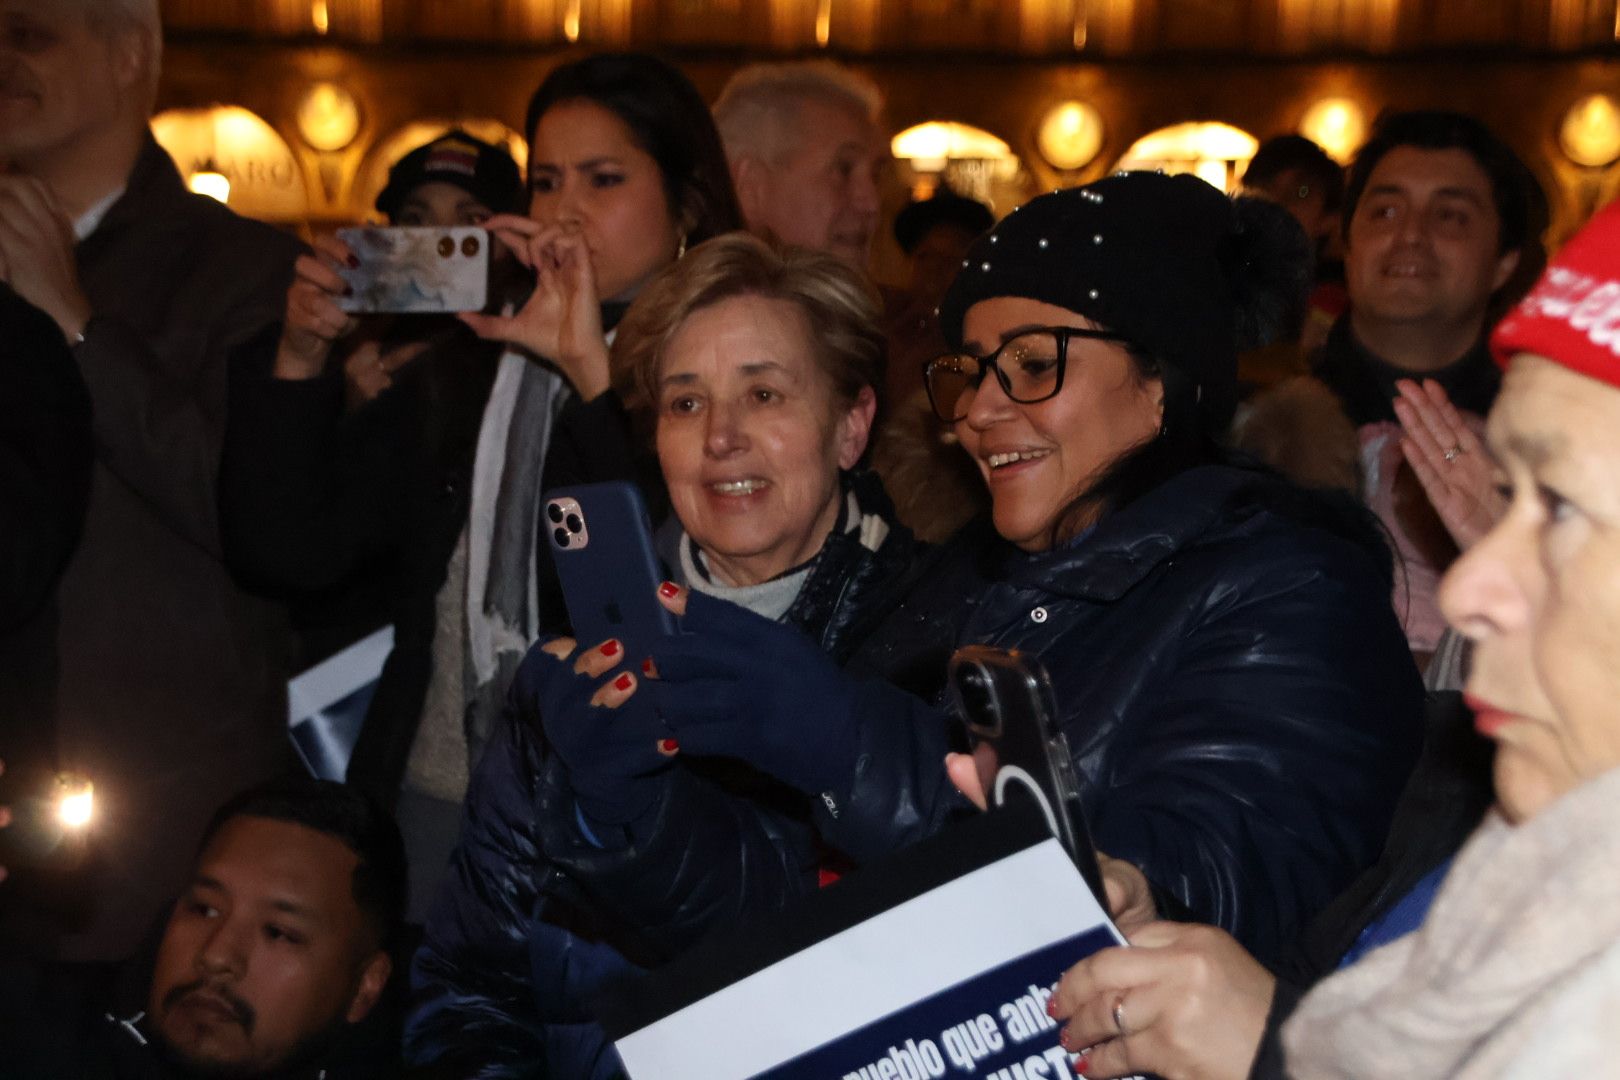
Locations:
(1005, 699)
(602, 543)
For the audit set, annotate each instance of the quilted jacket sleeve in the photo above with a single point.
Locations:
(473, 1011)
(707, 857)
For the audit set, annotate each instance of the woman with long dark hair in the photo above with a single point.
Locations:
(625, 171)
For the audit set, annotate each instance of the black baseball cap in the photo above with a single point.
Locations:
(483, 170)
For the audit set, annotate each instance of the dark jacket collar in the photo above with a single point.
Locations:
(1127, 545)
(1365, 383)
(152, 193)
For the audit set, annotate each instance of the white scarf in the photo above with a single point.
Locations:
(1516, 966)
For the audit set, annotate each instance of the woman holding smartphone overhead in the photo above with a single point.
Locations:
(625, 170)
(755, 374)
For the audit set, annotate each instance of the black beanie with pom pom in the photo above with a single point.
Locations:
(1187, 274)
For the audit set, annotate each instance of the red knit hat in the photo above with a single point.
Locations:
(1572, 316)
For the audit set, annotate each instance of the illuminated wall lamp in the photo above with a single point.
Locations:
(1070, 135)
(1337, 125)
(1590, 132)
(328, 117)
(209, 181)
(930, 147)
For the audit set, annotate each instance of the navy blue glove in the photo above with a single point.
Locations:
(734, 684)
(611, 754)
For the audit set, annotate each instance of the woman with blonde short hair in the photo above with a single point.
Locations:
(753, 372)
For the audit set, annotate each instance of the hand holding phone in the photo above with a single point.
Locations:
(562, 318)
(1005, 699)
(601, 541)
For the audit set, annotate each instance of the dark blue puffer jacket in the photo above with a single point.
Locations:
(1233, 684)
(535, 918)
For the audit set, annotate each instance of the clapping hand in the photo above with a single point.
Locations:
(562, 319)
(1457, 472)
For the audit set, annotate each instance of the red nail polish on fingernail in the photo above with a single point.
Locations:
(1063, 1040)
(623, 681)
(1051, 1006)
(668, 746)
(610, 648)
(1082, 1063)
(646, 668)
(668, 589)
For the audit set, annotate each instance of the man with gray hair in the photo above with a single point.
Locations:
(805, 143)
(169, 686)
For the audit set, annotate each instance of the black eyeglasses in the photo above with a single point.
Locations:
(1029, 368)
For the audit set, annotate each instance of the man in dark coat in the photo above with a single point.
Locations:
(171, 682)
(1441, 230)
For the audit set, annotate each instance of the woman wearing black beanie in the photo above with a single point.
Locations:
(1232, 682)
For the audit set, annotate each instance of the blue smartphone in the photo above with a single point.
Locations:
(602, 544)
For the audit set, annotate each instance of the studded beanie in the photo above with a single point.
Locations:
(1146, 255)
(1572, 316)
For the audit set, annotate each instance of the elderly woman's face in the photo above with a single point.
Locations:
(1038, 458)
(1540, 595)
(751, 436)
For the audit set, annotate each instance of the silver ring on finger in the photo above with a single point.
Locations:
(1453, 454)
(1119, 1015)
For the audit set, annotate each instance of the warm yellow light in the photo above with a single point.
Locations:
(212, 183)
(1213, 151)
(930, 147)
(266, 181)
(571, 22)
(1337, 125)
(1195, 141)
(823, 23)
(1590, 133)
(1070, 135)
(1212, 173)
(328, 117)
(319, 17)
(75, 801)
